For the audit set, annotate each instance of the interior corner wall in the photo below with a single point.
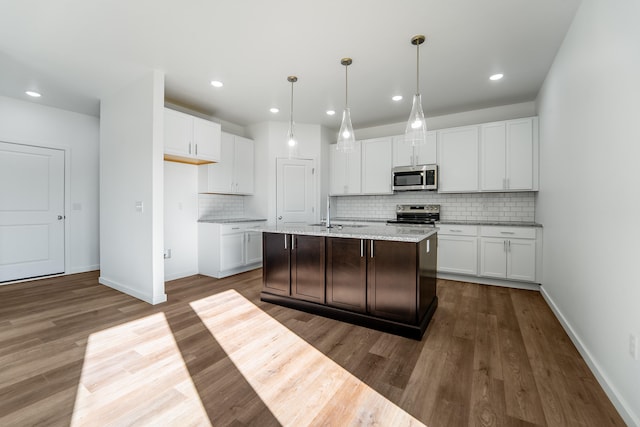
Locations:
(589, 192)
(131, 189)
(32, 124)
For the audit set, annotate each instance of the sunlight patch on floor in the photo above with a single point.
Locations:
(299, 384)
(134, 374)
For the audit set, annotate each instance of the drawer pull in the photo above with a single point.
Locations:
(455, 230)
(361, 248)
(507, 232)
(235, 228)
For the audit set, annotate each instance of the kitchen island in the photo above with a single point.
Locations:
(382, 277)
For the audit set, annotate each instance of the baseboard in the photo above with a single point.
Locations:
(132, 292)
(84, 269)
(489, 281)
(623, 408)
(177, 276)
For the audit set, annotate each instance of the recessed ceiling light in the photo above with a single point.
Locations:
(330, 112)
(274, 110)
(397, 98)
(216, 83)
(496, 76)
(32, 93)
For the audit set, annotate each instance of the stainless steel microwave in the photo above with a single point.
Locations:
(415, 178)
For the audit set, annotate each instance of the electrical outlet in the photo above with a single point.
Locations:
(167, 253)
(633, 346)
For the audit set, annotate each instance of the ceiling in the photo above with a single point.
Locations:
(75, 52)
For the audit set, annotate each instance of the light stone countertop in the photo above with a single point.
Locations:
(374, 221)
(374, 232)
(230, 220)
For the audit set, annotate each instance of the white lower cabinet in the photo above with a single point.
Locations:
(230, 248)
(508, 253)
(458, 249)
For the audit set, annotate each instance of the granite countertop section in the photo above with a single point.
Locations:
(230, 220)
(496, 223)
(373, 232)
(445, 221)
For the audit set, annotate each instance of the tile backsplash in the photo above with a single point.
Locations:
(215, 206)
(511, 207)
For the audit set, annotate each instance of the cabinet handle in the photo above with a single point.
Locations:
(361, 248)
(285, 242)
(504, 245)
(455, 230)
(507, 232)
(196, 149)
(428, 241)
(293, 242)
(248, 237)
(189, 148)
(509, 246)
(372, 249)
(235, 228)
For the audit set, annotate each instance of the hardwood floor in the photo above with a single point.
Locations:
(73, 352)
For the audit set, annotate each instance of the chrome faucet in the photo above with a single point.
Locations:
(328, 222)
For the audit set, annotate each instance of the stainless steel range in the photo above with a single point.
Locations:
(416, 215)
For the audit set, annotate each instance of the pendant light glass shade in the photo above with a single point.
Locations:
(346, 137)
(416, 131)
(292, 143)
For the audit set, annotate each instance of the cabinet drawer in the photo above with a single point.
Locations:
(238, 227)
(508, 232)
(458, 229)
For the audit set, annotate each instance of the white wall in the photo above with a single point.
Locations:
(131, 171)
(180, 219)
(270, 144)
(33, 124)
(472, 117)
(589, 196)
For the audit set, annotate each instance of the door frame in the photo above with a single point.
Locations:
(314, 184)
(67, 199)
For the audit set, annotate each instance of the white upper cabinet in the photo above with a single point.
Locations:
(190, 139)
(233, 174)
(345, 171)
(458, 159)
(405, 155)
(509, 155)
(376, 166)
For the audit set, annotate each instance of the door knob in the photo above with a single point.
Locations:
(60, 217)
(280, 218)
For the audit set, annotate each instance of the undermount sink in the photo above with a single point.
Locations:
(338, 225)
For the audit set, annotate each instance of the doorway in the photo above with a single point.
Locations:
(295, 191)
(32, 217)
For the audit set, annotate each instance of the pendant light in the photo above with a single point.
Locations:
(346, 138)
(416, 131)
(292, 144)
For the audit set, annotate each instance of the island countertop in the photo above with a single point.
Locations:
(401, 233)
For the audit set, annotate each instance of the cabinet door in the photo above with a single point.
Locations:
(458, 159)
(493, 155)
(206, 139)
(231, 251)
(521, 260)
(493, 257)
(354, 168)
(243, 165)
(376, 166)
(458, 254)
(177, 133)
(253, 247)
(276, 277)
(307, 268)
(426, 154)
(392, 280)
(218, 177)
(402, 151)
(347, 274)
(337, 171)
(520, 153)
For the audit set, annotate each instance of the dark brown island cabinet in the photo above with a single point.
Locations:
(382, 284)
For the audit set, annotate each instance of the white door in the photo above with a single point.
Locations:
(295, 191)
(31, 211)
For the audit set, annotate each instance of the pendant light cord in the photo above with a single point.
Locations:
(291, 112)
(417, 68)
(346, 87)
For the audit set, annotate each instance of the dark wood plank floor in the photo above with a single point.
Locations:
(491, 356)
